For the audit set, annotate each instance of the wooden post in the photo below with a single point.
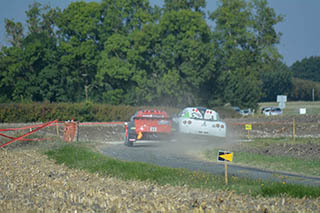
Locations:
(226, 172)
(57, 128)
(294, 130)
(77, 130)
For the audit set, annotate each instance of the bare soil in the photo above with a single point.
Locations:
(303, 126)
(307, 151)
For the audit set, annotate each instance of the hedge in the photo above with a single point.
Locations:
(44, 112)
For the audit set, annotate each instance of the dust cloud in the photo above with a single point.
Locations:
(191, 145)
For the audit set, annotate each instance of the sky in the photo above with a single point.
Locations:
(300, 31)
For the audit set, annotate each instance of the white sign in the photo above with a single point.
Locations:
(281, 98)
(303, 111)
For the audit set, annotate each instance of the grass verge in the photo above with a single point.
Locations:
(80, 157)
(303, 166)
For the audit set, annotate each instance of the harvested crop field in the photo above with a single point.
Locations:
(30, 182)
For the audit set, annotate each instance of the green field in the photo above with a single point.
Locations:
(293, 108)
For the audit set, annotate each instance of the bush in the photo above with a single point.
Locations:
(87, 111)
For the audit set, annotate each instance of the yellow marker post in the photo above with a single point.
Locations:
(225, 156)
(226, 173)
(248, 127)
(294, 130)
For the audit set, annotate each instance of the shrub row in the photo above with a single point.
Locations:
(44, 112)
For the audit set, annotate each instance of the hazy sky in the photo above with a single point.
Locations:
(300, 39)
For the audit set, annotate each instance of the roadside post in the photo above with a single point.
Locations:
(57, 129)
(294, 130)
(248, 127)
(225, 156)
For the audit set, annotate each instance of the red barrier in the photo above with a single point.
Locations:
(28, 127)
(34, 139)
(99, 123)
(27, 134)
(70, 130)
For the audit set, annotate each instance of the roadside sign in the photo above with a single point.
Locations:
(281, 98)
(248, 127)
(225, 156)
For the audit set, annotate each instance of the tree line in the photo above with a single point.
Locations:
(129, 52)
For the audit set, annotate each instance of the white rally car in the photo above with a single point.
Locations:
(200, 121)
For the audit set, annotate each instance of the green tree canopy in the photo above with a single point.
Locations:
(307, 68)
(246, 40)
(128, 52)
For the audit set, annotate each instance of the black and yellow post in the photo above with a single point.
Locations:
(225, 156)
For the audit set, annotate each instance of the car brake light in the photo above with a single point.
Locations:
(218, 125)
(184, 122)
(189, 122)
(222, 126)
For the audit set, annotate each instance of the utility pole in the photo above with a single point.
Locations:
(312, 94)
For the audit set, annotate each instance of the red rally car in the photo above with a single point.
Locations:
(147, 125)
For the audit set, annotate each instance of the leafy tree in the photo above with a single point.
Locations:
(124, 16)
(29, 54)
(245, 40)
(9, 58)
(183, 58)
(115, 70)
(302, 90)
(14, 32)
(195, 5)
(276, 80)
(307, 68)
(79, 47)
(126, 52)
(165, 63)
(42, 19)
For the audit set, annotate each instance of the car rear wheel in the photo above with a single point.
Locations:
(127, 140)
(129, 136)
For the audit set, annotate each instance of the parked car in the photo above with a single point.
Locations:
(272, 111)
(200, 121)
(266, 111)
(237, 109)
(245, 112)
(276, 111)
